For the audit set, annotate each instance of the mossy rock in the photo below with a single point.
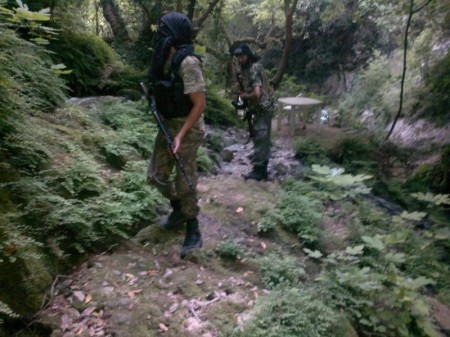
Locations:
(24, 282)
(434, 177)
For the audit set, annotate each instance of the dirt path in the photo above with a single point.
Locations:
(143, 289)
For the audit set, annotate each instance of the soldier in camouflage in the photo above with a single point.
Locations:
(260, 105)
(174, 62)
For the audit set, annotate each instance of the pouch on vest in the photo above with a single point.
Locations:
(170, 99)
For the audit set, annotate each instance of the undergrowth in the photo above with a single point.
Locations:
(379, 284)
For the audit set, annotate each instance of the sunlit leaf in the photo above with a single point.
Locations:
(373, 242)
(314, 254)
(414, 216)
(357, 250)
(396, 258)
(437, 199)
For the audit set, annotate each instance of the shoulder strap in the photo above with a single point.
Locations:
(181, 54)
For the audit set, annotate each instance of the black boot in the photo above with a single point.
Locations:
(258, 173)
(193, 238)
(176, 219)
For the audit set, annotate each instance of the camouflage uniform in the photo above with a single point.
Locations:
(162, 162)
(262, 111)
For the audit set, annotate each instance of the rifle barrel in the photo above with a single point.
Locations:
(166, 134)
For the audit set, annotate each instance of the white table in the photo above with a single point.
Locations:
(296, 103)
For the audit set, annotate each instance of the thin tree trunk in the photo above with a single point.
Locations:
(97, 21)
(289, 13)
(191, 9)
(412, 11)
(112, 15)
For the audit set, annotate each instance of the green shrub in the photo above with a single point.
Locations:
(204, 161)
(432, 177)
(435, 99)
(292, 313)
(299, 215)
(219, 111)
(25, 155)
(310, 151)
(368, 94)
(230, 250)
(278, 269)
(27, 83)
(356, 155)
(269, 222)
(87, 55)
(123, 81)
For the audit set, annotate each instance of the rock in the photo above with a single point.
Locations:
(227, 155)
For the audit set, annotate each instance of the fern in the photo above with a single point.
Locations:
(292, 313)
(278, 269)
(27, 83)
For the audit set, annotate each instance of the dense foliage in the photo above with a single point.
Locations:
(72, 176)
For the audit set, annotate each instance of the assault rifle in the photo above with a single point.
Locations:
(165, 133)
(240, 104)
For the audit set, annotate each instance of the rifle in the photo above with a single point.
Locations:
(238, 103)
(165, 133)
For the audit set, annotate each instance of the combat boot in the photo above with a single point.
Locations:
(258, 173)
(193, 238)
(176, 219)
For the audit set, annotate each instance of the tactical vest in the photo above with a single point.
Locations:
(170, 100)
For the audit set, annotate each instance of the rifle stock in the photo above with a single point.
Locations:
(166, 134)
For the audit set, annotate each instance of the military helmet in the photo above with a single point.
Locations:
(242, 49)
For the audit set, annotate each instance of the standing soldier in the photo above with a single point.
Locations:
(260, 107)
(179, 90)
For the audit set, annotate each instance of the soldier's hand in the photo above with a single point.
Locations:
(176, 144)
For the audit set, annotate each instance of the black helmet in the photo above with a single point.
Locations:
(242, 49)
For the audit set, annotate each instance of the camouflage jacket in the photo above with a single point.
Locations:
(251, 77)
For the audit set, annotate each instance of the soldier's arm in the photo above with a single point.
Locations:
(194, 86)
(255, 94)
(198, 100)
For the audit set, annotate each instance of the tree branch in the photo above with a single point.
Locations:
(202, 19)
(421, 7)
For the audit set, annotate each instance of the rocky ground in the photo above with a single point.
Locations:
(143, 289)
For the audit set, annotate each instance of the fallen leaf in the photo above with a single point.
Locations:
(88, 311)
(79, 295)
(173, 307)
(66, 321)
(163, 327)
(88, 298)
(108, 289)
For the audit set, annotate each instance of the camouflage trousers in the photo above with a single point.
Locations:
(160, 173)
(262, 123)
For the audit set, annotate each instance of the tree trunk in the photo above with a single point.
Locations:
(289, 10)
(112, 15)
(412, 11)
(191, 9)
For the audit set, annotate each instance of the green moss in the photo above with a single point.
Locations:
(219, 111)
(87, 56)
(435, 98)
